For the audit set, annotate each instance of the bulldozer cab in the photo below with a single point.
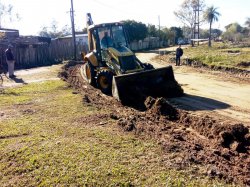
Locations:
(111, 47)
(112, 36)
(104, 36)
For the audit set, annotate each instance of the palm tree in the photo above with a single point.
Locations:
(211, 15)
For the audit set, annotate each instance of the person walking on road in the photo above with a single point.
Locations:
(10, 61)
(179, 53)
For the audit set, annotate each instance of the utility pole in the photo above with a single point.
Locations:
(73, 28)
(197, 21)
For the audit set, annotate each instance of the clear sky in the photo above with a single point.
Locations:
(38, 13)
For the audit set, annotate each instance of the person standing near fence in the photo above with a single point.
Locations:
(10, 61)
(179, 53)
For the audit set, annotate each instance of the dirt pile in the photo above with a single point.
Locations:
(236, 138)
(244, 64)
(224, 149)
(225, 134)
(198, 143)
(68, 70)
(161, 106)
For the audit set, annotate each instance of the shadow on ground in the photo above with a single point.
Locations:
(19, 80)
(198, 103)
(159, 52)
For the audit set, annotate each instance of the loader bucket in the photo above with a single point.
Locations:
(135, 87)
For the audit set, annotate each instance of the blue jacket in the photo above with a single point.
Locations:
(179, 52)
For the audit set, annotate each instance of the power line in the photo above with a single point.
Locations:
(111, 7)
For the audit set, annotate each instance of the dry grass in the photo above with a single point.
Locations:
(223, 55)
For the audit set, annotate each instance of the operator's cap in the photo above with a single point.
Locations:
(10, 45)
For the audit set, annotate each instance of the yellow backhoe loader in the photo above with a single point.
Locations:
(113, 68)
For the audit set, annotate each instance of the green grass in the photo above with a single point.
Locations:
(219, 54)
(44, 141)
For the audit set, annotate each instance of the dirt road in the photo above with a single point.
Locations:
(32, 75)
(207, 93)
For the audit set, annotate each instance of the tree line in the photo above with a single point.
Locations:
(234, 32)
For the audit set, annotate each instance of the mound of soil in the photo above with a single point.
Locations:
(212, 148)
(232, 70)
(233, 51)
(244, 64)
(161, 106)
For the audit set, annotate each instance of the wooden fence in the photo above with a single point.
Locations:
(34, 54)
(41, 54)
(147, 44)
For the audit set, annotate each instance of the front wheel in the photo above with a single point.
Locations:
(104, 81)
(88, 73)
(1, 80)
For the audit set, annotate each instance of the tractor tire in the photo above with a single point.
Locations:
(104, 81)
(88, 73)
(1, 80)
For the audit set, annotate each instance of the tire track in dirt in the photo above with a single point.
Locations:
(209, 147)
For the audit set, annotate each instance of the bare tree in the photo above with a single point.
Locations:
(211, 15)
(53, 31)
(247, 23)
(6, 11)
(186, 13)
